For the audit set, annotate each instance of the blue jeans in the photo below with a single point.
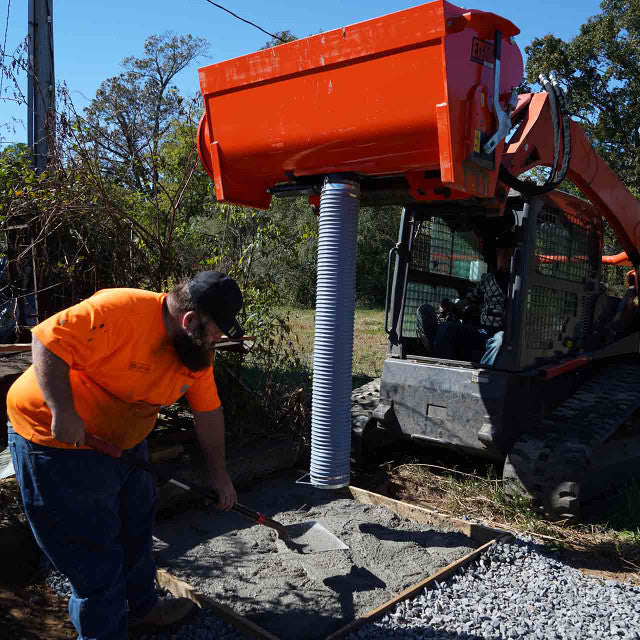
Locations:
(458, 342)
(92, 516)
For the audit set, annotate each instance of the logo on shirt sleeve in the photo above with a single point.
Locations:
(139, 367)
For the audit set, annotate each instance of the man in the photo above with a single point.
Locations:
(455, 340)
(105, 366)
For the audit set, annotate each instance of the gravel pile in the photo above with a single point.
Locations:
(54, 579)
(205, 625)
(515, 590)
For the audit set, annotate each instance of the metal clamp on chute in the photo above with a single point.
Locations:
(504, 117)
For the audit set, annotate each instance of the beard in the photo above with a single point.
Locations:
(190, 351)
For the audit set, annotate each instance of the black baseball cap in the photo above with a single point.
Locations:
(220, 297)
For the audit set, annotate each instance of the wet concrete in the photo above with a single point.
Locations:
(303, 595)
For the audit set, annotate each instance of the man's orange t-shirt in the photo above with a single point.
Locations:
(123, 368)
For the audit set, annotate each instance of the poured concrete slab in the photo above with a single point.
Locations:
(294, 595)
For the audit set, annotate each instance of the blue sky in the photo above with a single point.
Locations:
(91, 38)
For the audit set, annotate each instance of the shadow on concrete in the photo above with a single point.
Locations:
(358, 579)
(427, 538)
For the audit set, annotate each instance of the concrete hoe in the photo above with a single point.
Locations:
(303, 537)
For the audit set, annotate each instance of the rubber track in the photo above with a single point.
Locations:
(364, 400)
(548, 465)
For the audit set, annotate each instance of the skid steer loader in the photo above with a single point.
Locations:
(420, 108)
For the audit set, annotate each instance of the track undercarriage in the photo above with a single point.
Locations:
(588, 443)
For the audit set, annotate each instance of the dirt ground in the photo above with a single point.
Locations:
(29, 609)
(34, 612)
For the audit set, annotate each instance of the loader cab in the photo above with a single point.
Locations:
(553, 276)
(550, 318)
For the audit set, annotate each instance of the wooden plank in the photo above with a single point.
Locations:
(15, 348)
(181, 589)
(477, 532)
(409, 593)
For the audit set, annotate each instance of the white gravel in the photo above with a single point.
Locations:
(515, 590)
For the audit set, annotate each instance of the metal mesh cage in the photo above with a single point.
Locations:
(437, 248)
(418, 294)
(566, 246)
(548, 312)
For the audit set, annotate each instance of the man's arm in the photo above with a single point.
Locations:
(210, 431)
(52, 374)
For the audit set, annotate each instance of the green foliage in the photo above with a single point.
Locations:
(135, 144)
(601, 69)
(294, 267)
(282, 38)
(127, 121)
(377, 234)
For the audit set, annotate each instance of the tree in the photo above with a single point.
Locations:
(133, 112)
(377, 234)
(109, 207)
(600, 67)
(126, 145)
(281, 37)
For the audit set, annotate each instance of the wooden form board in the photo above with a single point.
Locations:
(15, 348)
(483, 536)
(477, 532)
(408, 593)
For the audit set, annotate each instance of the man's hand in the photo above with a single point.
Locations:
(210, 430)
(67, 426)
(221, 483)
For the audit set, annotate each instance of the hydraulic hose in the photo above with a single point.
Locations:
(566, 126)
(557, 127)
(561, 130)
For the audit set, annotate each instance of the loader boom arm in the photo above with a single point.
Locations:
(532, 145)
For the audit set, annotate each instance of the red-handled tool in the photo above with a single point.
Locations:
(111, 450)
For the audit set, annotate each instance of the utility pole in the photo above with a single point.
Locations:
(40, 132)
(41, 90)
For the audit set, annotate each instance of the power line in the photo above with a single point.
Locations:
(4, 45)
(253, 24)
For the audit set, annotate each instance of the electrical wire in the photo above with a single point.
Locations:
(4, 45)
(253, 24)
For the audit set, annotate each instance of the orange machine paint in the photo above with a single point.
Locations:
(409, 94)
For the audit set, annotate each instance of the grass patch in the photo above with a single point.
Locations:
(369, 344)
